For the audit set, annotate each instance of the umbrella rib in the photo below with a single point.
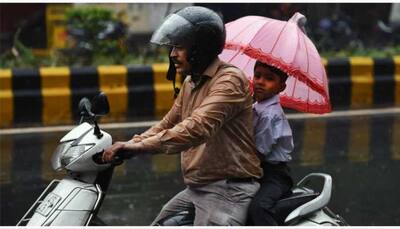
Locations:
(294, 85)
(256, 35)
(248, 61)
(244, 30)
(237, 53)
(240, 33)
(308, 95)
(279, 36)
(305, 45)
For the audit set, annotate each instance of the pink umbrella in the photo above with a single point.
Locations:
(284, 45)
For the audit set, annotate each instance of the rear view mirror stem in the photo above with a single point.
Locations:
(97, 131)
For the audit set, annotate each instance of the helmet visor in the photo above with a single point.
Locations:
(175, 31)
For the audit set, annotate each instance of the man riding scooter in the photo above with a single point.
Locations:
(210, 124)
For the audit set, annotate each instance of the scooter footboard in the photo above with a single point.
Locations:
(63, 203)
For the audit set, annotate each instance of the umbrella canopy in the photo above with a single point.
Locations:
(284, 45)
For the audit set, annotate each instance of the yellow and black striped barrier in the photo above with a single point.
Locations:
(50, 96)
(362, 82)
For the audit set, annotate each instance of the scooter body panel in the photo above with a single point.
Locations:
(70, 203)
(76, 132)
(317, 218)
(317, 203)
(77, 148)
(84, 162)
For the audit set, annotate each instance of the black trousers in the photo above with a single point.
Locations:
(275, 184)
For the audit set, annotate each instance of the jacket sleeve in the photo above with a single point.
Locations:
(169, 120)
(226, 98)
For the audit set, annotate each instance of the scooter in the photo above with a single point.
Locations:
(76, 199)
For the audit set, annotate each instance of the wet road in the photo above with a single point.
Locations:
(361, 153)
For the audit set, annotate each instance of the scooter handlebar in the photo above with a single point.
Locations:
(118, 159)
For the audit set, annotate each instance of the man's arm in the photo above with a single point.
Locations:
(135, 144)
(225, 99)
(169, 120)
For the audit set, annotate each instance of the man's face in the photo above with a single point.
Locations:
(179, 57)
(266, 83)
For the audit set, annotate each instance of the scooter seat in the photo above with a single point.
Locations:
(285, 206)
(282, 210)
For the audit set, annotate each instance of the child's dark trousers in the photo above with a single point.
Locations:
(275, 184)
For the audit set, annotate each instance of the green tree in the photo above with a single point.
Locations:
(88, 42)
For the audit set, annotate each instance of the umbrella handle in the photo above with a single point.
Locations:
(300, 20)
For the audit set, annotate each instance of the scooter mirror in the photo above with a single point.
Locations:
(85, 107)
(100, 105)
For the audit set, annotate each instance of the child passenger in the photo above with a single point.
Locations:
(274, 142)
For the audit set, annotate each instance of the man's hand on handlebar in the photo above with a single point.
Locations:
(136, 138)
(123, 149)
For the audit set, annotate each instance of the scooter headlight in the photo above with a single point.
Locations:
(55, 160)
(73, 153)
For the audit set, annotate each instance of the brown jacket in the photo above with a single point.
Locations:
(212, 126)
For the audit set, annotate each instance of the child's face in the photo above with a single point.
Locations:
(266, 83)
